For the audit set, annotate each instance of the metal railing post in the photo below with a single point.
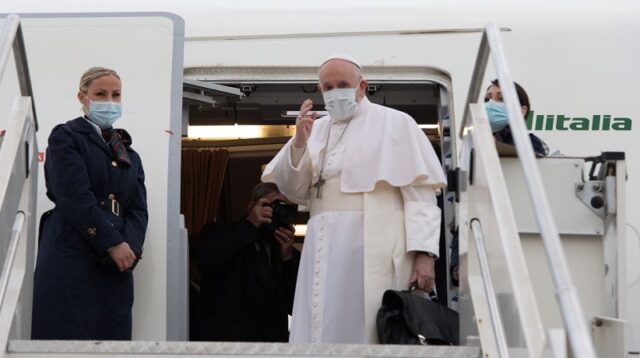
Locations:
(476, 79)
(7, 36)
(490, 293)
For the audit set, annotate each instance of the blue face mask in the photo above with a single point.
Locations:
(497, 113)
(104, 114)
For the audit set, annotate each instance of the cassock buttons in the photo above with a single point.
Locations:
(92, 231)
(114, 163)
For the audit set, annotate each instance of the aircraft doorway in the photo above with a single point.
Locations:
(236, 135)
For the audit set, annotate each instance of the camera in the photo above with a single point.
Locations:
(284, 215)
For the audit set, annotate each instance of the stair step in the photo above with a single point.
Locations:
(24, 348)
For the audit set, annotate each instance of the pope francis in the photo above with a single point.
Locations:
(369, 177)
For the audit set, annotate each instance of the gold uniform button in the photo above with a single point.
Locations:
(112, 196)
(114, 163)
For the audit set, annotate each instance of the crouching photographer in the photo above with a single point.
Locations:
(250, 269)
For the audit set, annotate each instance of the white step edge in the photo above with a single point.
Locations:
(244, 349)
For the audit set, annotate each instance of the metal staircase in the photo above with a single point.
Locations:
(18, 194)
(488, 209)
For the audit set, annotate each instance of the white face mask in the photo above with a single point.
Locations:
(341, 103)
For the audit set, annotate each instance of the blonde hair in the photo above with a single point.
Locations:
(93, 73)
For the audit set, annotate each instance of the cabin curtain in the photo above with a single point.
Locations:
(203, 172)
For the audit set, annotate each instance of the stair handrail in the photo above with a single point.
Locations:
(11, 38)
(566, 293)
(16, 231)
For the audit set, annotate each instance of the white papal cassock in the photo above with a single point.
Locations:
(378, 206)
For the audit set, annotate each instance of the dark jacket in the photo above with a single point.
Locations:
(248, 290)
(540, 148)
(78, 293)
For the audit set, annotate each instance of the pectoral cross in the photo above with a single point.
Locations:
(318, 185)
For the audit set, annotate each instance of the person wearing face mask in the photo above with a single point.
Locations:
(499, 121)
(370, 177)
(93, 238)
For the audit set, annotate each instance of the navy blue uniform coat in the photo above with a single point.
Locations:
(77, 296)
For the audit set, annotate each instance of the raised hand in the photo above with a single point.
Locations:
(304, 124)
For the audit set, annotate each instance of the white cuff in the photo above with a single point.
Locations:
(422, 226)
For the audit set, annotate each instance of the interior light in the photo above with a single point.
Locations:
(225, 132)
(240, 131)
(301, 230)
(428, 126)
(295, 114)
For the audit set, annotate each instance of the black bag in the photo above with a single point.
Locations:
(406, 317)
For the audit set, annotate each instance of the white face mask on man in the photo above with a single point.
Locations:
(341, 103)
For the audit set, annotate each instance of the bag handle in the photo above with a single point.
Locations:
(433, 295)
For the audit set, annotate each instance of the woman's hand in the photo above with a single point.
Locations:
(304, 124)
(123, 256)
